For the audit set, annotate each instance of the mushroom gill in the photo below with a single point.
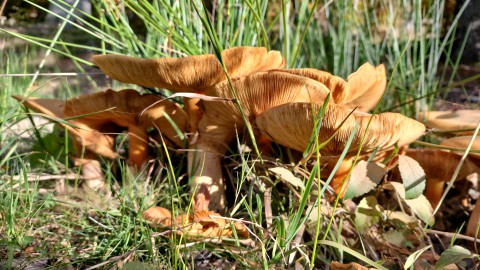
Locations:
(292, 125)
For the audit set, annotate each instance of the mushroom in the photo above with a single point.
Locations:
(455, 120)
(292, 125)
(222, 119)
(94, 120)
(462, 142)
(188, 74)
(363, 89)
(439, 166)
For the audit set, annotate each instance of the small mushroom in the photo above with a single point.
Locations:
(440, 166)
(456, 120)
(363, 89)
(222, 119)
(292, 125)
(462, 142)
(94, 120)
(188, 74)
(111, 112)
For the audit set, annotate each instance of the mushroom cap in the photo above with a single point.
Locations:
(451, 120)
(95, 119)
(462, 142)
(50, 107)
(257, 93)
(126, 108)
(188, 74)
(292, 124)
(363, 90)
(440, 164)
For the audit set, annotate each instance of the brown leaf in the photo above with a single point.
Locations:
(349, 266)
(158, 216)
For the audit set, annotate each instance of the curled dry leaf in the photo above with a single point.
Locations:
(349, 266)
(200, 224)
(364, 177)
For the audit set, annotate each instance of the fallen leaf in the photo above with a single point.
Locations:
(349, 266)
(366, 214)
(364, 177)
(452, 255)
(288, 177)
(412, 175)
(420, 205)
(158, 216)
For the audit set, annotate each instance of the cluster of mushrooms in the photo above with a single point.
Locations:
(279, 105)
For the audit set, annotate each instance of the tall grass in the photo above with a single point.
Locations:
(409, 36)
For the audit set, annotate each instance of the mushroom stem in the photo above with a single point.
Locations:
(92, 173)
(204, 165)
(193, 111)
(434, 190)
(341, 174)
(138, 147)
(474, 220)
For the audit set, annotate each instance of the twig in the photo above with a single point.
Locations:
(99, 224)
(114, 259)
(36, 177)
(453, 235)
(296, 243)
(267, 201)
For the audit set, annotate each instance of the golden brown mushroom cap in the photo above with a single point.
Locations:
(451, 120)
(257, 93)
(440, 164)
(126, 108)
(462, 142)
(50, 107)
(292, 124)
(96, 119)
(363, 90)
(188, 74)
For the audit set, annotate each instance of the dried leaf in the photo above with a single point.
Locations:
(404, 218)
(158, 216)
(414, 256)
(288, 177)
(452, 255)
(364, 177)
(366, 214)
(412, 175)
(422, 208)
(398, 238)
(420, 205)
(349, 266)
